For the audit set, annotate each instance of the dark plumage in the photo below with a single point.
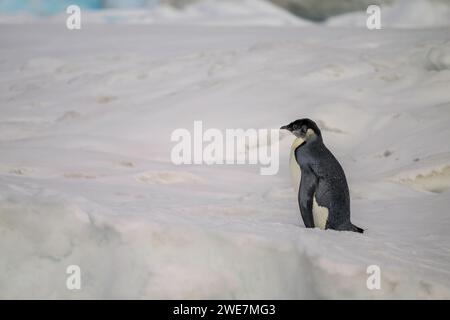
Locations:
(322, 179)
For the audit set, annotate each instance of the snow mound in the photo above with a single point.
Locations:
(434, 179)
(402, 14)
(203, 12)
(439, 58)
(169, 177)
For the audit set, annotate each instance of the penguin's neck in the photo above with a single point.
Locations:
(294, 166)
(311, 141)
(296, 143)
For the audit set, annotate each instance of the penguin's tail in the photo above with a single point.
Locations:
(355, 228)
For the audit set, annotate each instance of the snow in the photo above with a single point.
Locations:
(402, 14)
(86, 176)
(204, 12)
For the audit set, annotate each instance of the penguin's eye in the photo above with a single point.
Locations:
(304, 129)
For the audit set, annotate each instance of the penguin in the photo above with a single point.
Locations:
(322, 189)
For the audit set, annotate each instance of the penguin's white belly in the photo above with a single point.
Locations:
(320, 214)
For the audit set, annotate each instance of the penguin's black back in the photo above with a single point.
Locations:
(329, 182)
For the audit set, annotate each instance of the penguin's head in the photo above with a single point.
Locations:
(305, 129)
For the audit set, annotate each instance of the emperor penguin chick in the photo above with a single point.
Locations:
(323, 194)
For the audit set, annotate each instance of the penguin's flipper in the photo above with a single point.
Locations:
(305, 198)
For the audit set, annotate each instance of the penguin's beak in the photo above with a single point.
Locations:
(284, 127)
